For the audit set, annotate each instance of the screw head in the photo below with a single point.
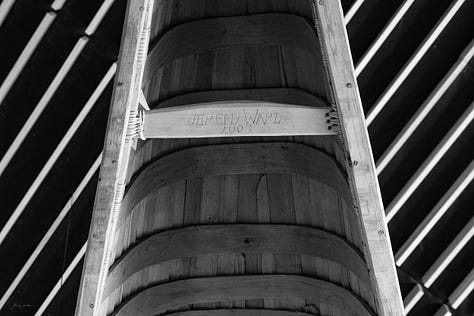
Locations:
(349, 85)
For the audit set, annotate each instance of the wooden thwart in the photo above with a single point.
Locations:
(238, 118)
(158, 299)
(230, 239)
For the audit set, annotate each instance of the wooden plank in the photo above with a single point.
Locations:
(238, 238)
(219, 33)
(178, 294)
(361, 169)
(237, 118)
(116, 154)
(286, 158)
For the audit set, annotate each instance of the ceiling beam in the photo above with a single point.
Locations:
(51, 90)
(353, 10)
(417, 119)
(383, 36)
(462, 291)
(56, 154)
(39, 248)
(440, 264)
(430, 163)
(429, 222)
(72, 266)
(413, 62)
(25, 55)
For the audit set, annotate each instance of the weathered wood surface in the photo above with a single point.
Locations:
(284, 186)
(275, 95)
(234, 239)
(228, 32)
(362, 170)
(238, 118)
(283, 158)
(169, 13)
(116, 152)
(158, 299)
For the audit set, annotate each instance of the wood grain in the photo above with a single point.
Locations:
(158, 299)
(222, 33)
(128, 81)
(286, 158)
(362, 172)
(275, 95)
(237, 118)
(238, 238)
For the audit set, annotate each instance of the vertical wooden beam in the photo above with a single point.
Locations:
(361, 167)
(117, 146)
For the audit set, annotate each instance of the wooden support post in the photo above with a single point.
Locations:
(364, 183)
(117, 147)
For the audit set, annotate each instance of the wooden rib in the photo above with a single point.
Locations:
(276, 95)
(220, 33)
(289, 158)
(362, 174)
(237, 238)
(127, 88)
(177, 294)
(237, 118)
(239, 312)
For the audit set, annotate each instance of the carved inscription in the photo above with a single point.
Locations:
(236, 121)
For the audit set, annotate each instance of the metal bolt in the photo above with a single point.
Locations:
(141, 8)
(91, 305)
(349, 85)
(381, 232)
(355, 162)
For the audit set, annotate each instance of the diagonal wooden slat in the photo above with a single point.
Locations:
(430, 163)
(383, 36)
(413, 62)
(426, 108)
